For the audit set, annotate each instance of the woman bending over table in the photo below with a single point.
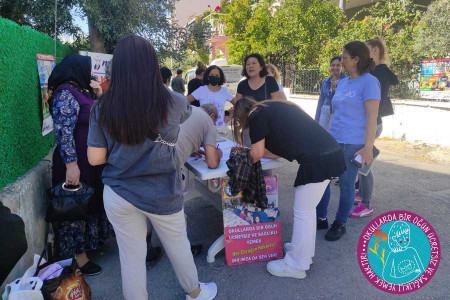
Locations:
(282, 129)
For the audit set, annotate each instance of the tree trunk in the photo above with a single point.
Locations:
(95, 37)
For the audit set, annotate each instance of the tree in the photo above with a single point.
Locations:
(108, 20)
(300, 27)
(433, 36)
(39, 15)
(394, 20)
(238, 12)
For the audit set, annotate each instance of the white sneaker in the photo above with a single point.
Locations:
(288, 247)
(281, 269)
(208, 291)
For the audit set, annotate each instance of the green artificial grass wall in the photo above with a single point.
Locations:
(21, 142)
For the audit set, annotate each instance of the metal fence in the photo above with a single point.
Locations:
(409, 77)
(309, 81)
(305, 81)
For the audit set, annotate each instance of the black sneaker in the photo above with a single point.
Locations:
(90, 269)
(322, 224)
(154, 254)
(335, 232)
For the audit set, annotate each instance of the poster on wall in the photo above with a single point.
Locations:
(45, 64)
(435, 79)
(251, 234)
(99, 61)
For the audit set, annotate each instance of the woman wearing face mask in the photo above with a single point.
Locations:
(327, 91)
(213, 92)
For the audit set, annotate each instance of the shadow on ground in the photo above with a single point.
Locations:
(335, 273)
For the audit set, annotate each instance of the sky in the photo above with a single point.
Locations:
(82, 22)
(79, 21)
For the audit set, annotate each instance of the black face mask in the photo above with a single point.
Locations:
(213, 80)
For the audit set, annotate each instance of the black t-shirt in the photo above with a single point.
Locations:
(386, 78)
(263, 93)
(192, 86)
(290, 132)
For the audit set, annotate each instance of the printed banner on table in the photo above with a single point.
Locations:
(435, 79)
(99, 61)
(45, 64)
(251, 234)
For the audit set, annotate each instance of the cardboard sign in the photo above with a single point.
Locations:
(98, 61)
(251, 234)
(45, 65)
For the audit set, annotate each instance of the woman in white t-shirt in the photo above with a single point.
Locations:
(213, 92)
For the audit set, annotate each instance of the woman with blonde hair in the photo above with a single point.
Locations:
(378, 52)
(275, 73)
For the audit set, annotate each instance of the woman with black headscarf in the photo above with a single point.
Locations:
(72, 97)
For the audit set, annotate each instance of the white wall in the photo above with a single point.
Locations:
(416, 122)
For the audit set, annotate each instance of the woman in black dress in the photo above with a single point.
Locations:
(282, 129)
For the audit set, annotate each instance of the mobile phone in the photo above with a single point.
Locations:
(357, 161)
(93, 77)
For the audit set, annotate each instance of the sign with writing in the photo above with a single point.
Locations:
(45, 64)
(435, 79)
(99, 61)
(251, 233)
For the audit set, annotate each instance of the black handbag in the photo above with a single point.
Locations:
(69, 203)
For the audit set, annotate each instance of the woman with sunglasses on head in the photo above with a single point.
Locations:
(353, 125)
(133, 130)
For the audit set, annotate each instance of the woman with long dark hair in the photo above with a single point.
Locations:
(353, 125)
(73, 95)
(287, 131)
(133, 131)
(378, 52)
(258, 84)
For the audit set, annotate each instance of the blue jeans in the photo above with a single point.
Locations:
(347, 187)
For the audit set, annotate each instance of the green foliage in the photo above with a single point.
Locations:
(80, 43)
(394, 20)
(433, 34)
(238, 12)
(300, 27)
(40, 15)
(115, 19)
(293, 32)
(21, 142)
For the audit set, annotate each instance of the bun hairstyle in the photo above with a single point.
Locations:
(200, 68)
(360, 50)
(377, 42)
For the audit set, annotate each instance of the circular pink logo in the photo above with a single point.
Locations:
(399, 252)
